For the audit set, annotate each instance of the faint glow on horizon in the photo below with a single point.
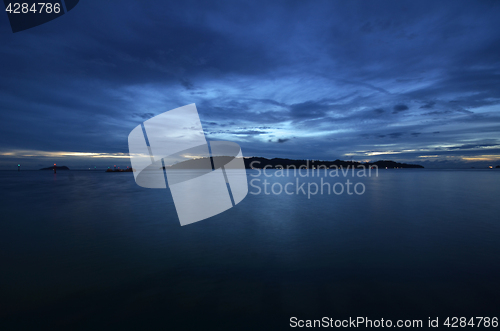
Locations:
(481, 158)
(382, 153)
(192, 157)
(372, 153)
(64, 154)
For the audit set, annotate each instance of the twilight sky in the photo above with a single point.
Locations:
(411, 81)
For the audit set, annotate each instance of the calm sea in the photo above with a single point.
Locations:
(92, 250)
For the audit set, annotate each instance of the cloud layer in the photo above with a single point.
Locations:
(411, 81)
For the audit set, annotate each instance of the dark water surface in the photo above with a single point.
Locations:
(92, 250)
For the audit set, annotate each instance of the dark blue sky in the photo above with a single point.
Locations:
(411, 81)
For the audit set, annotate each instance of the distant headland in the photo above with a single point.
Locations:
(260, 162)
(276, 163)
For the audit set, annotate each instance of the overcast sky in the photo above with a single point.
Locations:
(410, 81)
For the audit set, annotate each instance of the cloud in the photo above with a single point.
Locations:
(237, 132)
(280, 140)
(428, 105)
(399, 108)
(395, 134)
(144, 116)
(187, 84)
(308, 109)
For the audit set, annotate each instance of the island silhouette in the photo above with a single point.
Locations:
(57, 167)
(276, 163)
(119, 170)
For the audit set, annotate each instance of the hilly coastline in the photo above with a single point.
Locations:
(276, 163)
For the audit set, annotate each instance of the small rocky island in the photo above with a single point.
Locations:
(119, 170)
(57, 168)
